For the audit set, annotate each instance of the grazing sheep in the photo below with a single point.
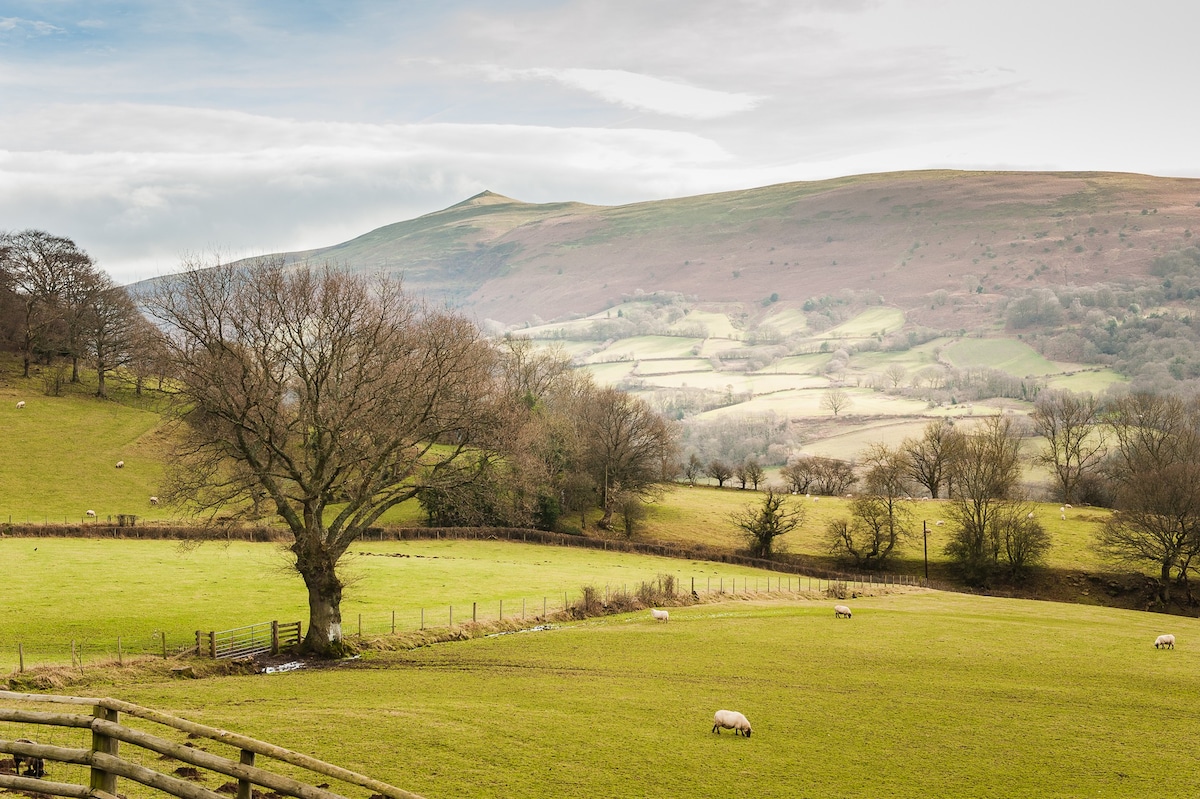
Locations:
(34, 766)
(153, 500)
(731, 720)
(120, 464)
(21, 404)
(91, 514)
(1068, 505)
(661, 615)
(1062, 509)
(1029, 515)
(938, 523)
(1062, 516)
(841, 610)
(1164, 642)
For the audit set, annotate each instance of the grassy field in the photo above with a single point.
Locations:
(218, 586)
(920, 694)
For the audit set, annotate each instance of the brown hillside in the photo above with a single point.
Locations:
(902, 236)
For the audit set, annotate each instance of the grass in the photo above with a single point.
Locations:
(1008, 355)
(93, 590)
(920, 694)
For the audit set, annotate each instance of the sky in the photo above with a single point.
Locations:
(152, 131)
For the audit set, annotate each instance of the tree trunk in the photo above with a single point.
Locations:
(324, 636)
(1164, 582)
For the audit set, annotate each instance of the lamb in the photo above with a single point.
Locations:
(840, 611)
(731, 720)
(1164, 642)
(91, 514)
(21, 404)
(153, 500)
(120, 464)
(34, 766)
(661, 615)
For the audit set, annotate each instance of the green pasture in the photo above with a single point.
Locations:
(874, 321)
(640, 347)
(787, 321)
(716, 324)
(1091, 381)
(58, 457)
(812, 364)
(671, 366)
(1006, 354)
(93, 590)
(701, 514)
(921, 694)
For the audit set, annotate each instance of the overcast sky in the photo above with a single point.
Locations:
(151, 130)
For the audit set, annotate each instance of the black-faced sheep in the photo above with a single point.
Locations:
(661, 615)
(841, 611)
(1164, 642)
(91, 514)
(34, 766)
(731, 720)
(153, 500)
(120, 464)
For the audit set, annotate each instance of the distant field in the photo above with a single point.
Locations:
(867, 324)
(1009, 355)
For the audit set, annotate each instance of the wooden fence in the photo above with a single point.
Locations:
(105, 763)
(253, 639)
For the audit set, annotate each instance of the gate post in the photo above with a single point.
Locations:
(274, 639)
(102, 780)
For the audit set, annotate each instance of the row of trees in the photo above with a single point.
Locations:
(57, 304)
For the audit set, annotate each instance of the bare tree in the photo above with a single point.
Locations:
(879, 519)
(932, 455)
(719, 470)
(693, 468)
(765, 521)
(37, 264)
(985, 479)
(630, 447)
(1075, 438)
(1155, 468)
(835, 400)
(108, 329)
(333, 396)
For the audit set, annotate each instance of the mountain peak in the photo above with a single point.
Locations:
(485, 198)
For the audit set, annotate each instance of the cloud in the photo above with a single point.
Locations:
(643, 92)
(30, 27)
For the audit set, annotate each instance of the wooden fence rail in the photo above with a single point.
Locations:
(106, 765)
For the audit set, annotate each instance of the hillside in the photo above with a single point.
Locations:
(900, 237)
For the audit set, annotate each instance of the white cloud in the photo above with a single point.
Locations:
(644, 92)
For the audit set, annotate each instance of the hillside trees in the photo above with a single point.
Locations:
(879, 520)
(36, 264)
(1155, 471)
(1075, 438)
(991, 517)
(329, 396)
(763, 522)
(931, 456)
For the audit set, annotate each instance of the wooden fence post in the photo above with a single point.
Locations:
(473, 609)
(102, 780)
(21, 658)
(244, 787)
(274, 651)
(212, 644)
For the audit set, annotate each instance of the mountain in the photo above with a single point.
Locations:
(901, 237)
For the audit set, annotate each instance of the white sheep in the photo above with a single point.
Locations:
(91, 514)
(1164, 642)
(1029, 515)
(1068, 505)
(938, 523)
(840, 611)
(21, 403)
(153, 500)
(120, 464)
(661, 615)
(731, 720)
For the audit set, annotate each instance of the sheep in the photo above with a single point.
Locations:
(20, 404)
(938, 523)
(840, 611)
(153, 500)
(120, 464)
(1164, 642)
(661, 615)
(1068, 506)
(1062, 517)
(1029, 515)
(34, 766)
(731, 720)
(91, 514)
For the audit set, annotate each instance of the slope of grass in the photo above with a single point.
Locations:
(918, 695)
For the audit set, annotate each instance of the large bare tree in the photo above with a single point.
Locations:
(330, 396)
(931, 456)
(1075, 438)
(38, 266)
(1155, 470)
